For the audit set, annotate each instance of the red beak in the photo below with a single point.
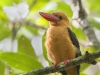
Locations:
(49, 17)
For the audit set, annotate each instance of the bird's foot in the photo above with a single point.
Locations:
(66, 61)
(55, 64)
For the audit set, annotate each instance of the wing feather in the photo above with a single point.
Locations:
(76, 44)
(74, 41)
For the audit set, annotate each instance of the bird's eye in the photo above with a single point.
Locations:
(60, 17)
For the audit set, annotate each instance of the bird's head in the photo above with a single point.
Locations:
(56, 18)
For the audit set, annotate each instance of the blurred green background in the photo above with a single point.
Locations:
(23, 50)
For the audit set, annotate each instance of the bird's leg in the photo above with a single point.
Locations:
(55, 64)
(66, 61)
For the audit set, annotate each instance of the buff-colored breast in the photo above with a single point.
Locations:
(58, 44)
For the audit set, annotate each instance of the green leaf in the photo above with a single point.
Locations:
(42, 22)
(79, 33)
(2, 68)
(39, 5)
(95, 24)
(3, 16)
(65, 8)
(20, 61)
(8, 3)
(5, 3)
(4, 30)
(82, 73)
(24, 46)
(94, 8)
(32, 29)
(84, 66)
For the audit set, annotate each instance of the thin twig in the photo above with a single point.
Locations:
(33, 25)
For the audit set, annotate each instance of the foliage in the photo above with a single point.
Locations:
(25, 58)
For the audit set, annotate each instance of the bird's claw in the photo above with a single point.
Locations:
(66, 61)
(55, 64)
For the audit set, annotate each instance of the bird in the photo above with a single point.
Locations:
(61, 42)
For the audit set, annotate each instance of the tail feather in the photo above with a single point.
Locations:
(63, 72)
(77, 72)
(78, 69)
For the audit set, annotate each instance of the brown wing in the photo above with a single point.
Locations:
(74, 41)
(76, 44)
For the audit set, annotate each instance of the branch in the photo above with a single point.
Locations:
(33, 25)
(80, 16)
(87, 58)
